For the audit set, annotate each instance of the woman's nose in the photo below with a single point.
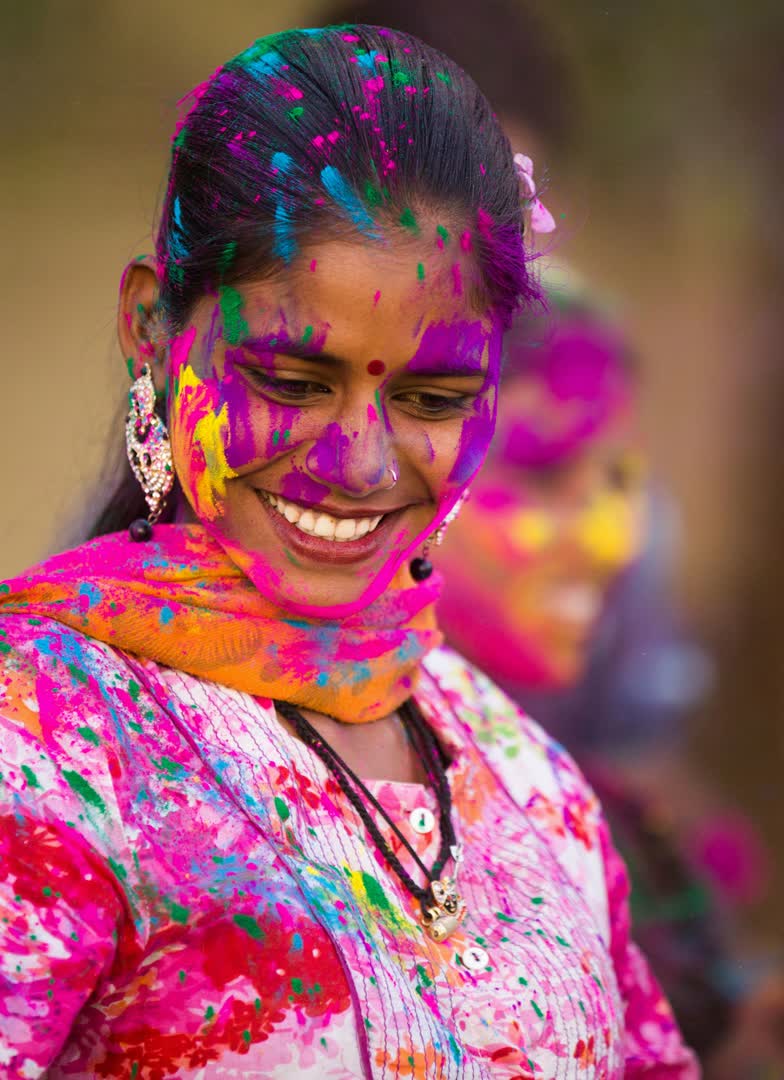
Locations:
(357, 460)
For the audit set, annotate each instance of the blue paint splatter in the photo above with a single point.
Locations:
(340, 191)
(91, 593)
(266, 65)
(284, 245)
(166, 615)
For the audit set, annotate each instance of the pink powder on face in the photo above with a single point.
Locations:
(457, 280)
(582, 384)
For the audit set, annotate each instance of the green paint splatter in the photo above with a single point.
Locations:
(182, 975)
(283, 811)
(47, 890)
(84, 790)
(178, 912)
(119, 870)
(30, 776)
(296, 112)
(537, 900)
(246, 1035)
(421, 271)
(234, 326)
(443, 233)
(423, 975)
(537, 1010)
(89, 736)
(307, 335)
(563, 942)
(227, 257)
(250, 926)
(444, 77)
(181, 137)
(173, 768)
(208, 1015)
(408, 221)
(504, 918)
(134, 690)
(374, 892)
(78, 674)
(296, 986)
(373, 196)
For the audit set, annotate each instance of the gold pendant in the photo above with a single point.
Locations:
(447, 910)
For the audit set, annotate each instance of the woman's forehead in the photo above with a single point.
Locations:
(354, 296)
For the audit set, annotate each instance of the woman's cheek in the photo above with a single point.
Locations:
(199, 426)
(199, 429)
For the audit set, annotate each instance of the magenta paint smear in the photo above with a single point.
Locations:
(584, 383)
(450, 347)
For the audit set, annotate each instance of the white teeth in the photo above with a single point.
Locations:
(345, 529)
(324, 525)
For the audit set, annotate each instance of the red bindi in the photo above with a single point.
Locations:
(376, 367)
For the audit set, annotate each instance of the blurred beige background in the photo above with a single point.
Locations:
(672, 205)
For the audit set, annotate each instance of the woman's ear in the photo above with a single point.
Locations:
(139, 329)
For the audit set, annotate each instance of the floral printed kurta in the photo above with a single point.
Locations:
(185, 892)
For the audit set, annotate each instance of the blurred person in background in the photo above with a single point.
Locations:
(255, 820)
(558, 578)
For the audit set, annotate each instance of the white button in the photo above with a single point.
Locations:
(422, 820)
(475, 958)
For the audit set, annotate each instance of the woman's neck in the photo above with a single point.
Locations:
(379, 750)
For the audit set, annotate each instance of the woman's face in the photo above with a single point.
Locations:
(324, 421)
(542, 544)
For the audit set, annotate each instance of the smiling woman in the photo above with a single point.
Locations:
(253, 819)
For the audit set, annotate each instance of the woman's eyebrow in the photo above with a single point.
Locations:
(449, 369)
(263, 346)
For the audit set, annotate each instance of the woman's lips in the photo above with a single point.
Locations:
(324, 548)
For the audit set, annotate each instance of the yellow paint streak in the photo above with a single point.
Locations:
(209, 432)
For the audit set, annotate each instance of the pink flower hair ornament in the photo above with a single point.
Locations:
(542, 221)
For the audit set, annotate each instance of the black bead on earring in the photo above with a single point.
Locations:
(421, 568)
(140, 530)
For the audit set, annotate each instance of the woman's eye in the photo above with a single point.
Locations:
(287, 389)
(436, 405)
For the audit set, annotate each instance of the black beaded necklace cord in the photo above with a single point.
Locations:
(430, 753)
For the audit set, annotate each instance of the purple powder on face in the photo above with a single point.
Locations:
(475, 436)
(454, 346)
(326, 456)
(299, 487)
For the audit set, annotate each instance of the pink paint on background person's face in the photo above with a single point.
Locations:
(305, 408)
(556, 515)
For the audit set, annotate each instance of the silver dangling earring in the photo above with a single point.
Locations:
(421, 568)
(149, 452)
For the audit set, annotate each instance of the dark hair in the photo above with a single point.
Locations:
(341, 130)
(513, 52)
